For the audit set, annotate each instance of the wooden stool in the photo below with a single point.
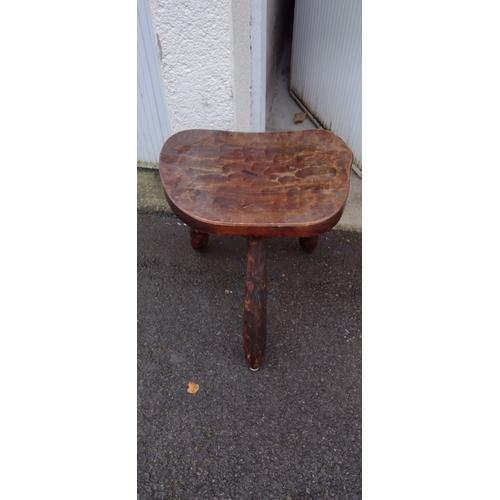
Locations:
(256, 185)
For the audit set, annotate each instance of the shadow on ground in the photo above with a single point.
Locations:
(291, 430)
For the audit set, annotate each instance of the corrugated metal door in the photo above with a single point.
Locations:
(326, 65)
(152, 122)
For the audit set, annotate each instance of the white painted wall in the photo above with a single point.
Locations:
(196, 62)
(206, 62)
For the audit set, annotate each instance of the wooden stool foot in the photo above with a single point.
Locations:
(255, 308)
(309, 244)
(199, 240)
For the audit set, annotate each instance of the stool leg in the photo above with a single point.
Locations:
(199, 240)
(309, 244)
(254, 315)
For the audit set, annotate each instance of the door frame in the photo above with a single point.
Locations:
(258, 42)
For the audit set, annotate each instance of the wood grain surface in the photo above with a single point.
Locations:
(257, 184)
(255, 306)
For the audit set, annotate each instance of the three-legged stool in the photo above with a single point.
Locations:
(256, 185)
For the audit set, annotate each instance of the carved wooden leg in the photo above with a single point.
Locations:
(199, 240)
(254, 315)
(309, 244)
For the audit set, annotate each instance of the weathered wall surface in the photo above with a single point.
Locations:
(195, 37)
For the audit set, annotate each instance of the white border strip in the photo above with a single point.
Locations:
(258, 39)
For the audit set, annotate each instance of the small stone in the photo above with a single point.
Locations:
(192, 387)
(299, 117)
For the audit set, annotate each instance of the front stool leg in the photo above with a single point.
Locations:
(309, 244)
(255, 309)
(199, 240)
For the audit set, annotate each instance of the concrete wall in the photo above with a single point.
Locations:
(205, 62)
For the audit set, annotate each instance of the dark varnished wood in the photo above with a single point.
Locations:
(199, 240)
(309, 244)
(255, 309)
(257, 184)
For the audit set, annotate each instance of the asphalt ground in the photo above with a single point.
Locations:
(290, 430)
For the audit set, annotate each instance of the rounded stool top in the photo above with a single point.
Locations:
(257, 184)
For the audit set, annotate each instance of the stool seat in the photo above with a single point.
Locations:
(257, 184)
